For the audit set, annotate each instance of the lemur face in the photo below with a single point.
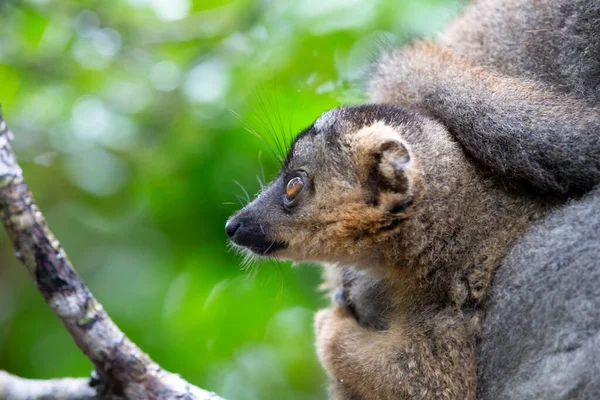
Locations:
(346, 183)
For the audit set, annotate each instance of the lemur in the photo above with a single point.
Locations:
(385, 190)
(518, 85)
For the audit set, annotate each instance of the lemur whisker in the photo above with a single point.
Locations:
(248, 198)
(279, 136)
(261, 178)
(265, 142)
(241, 200)
(253, 131)
(269, 125)
(270, 246)
(279, 119)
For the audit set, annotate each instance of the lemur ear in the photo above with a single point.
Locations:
(387, 164)
(390, 170)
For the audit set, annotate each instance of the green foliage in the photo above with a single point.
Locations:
(131, 120)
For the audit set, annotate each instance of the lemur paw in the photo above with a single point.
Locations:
(332, 327)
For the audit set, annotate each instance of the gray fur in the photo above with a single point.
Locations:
(541, 337)
(517, 82)
(368, 298)
(555, 41)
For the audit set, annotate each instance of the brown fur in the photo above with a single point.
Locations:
(391, 193)
(437, 268)
(516, 82)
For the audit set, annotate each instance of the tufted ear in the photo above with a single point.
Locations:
(391, 160)
(387, 161)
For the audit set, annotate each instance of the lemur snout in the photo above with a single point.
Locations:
(231, 227)
(245, 232)
(250, 234)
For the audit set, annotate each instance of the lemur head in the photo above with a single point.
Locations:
(348, 182)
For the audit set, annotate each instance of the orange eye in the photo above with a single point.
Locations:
(294, 187)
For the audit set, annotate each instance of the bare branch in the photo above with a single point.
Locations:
(15, 388)
(122, 366)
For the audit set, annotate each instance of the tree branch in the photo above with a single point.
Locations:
(15, 388)
(123, 368)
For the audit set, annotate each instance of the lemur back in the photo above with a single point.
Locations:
(517, 83)
(541, 337)
(555, 41)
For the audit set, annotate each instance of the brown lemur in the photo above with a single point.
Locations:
(386, 190)
(517, 83)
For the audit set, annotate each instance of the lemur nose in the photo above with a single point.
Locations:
(231, 227)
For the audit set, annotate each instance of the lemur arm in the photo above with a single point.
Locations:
(417, 361)
(518, 128)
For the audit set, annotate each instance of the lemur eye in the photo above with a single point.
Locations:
(294, 187)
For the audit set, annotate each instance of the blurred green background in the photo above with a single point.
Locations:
(131, 121)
